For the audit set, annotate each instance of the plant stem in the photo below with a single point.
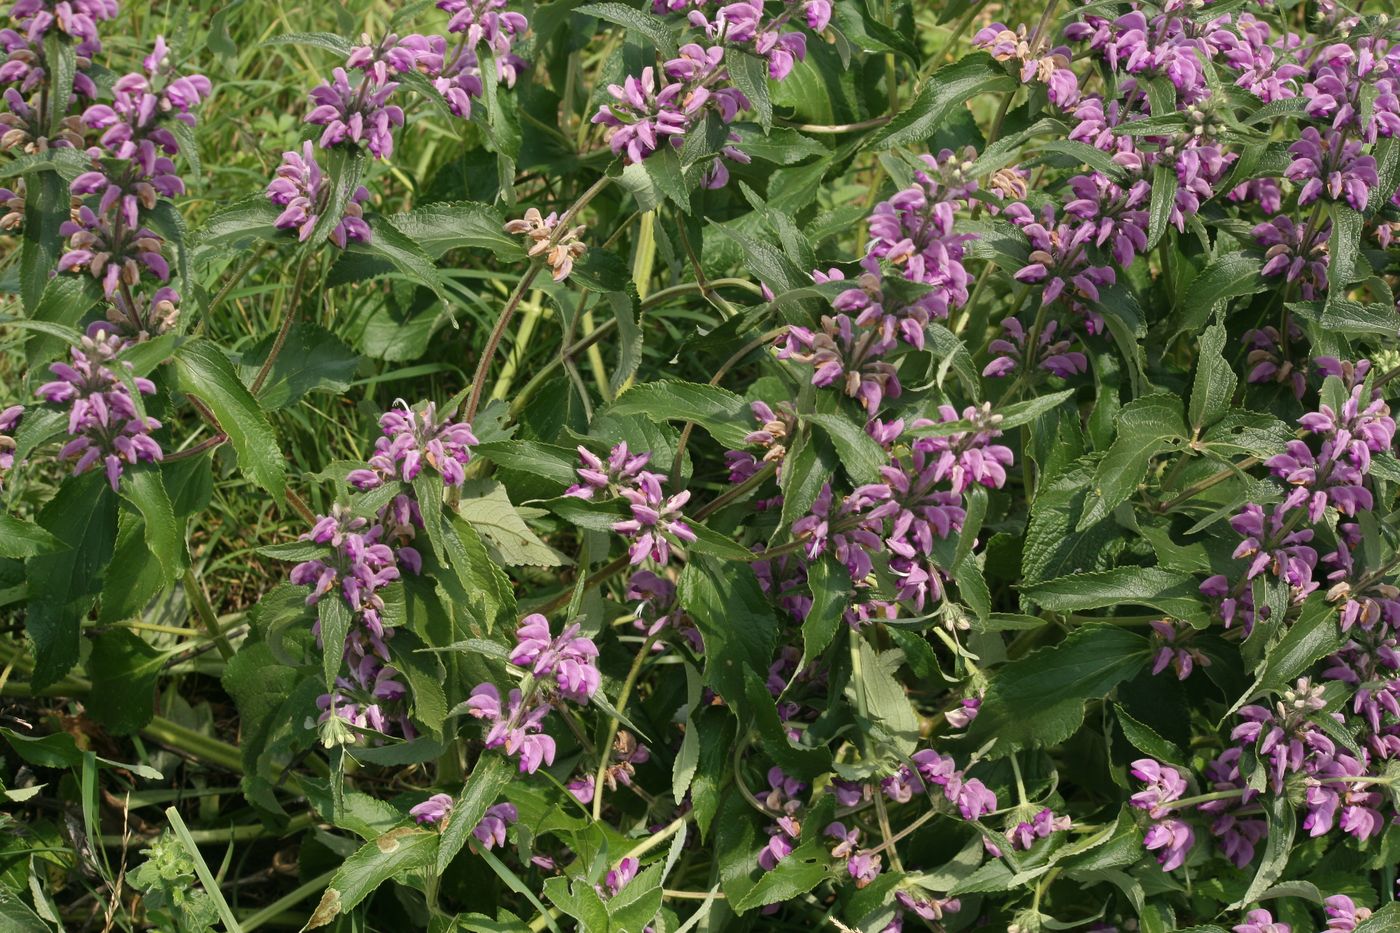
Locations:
(605, 747)
(288, 318)
(194, 592)
(493, 342)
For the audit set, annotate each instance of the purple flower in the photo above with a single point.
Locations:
(622, 469)
(1261, 921)
(1268, 360)
(105, 424)
(568, 660)
(1171, 840)
(1343, 914)
(135, 126)
(1267, 70)
(1331, 166)
(642, 118)
(1169, 638)
(619, 877)
(838, 351)
(656, 519)
(560, 248)
(1341, 80)
(1164, 785)
(110, 250)
(413, 440)
(1059, 260)
(1286, 254)
(300, 190)
(76, 18)
(491, 831)
(433, 810)
(356, 115)
(9, 420)
(1053, 356)
(517, 729)
(962, 715)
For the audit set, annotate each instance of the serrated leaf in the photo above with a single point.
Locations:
(63, 585)
(486, 506)
(861, 455)
(1231, 275)
(1343, 249)
(1146, 739)
(488, 778)
(208, 375)
(45, 210)
(830, 586)
(444, 225)
(1039, 699)
(643, 24)
(145, 490)
(749, 73)
(395, 852)
(20, 538)
(719, 411)
(1215, 380)
(734, 618)
(1278, 844)
(124, 670)
(946, 89)
(1164, 188)
(1146, 427)
(800, 871)
(1170, 592)
(335, 621)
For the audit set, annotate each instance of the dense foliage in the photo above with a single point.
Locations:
(783, 464)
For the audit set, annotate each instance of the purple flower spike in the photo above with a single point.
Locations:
(491, 831)
(356, 115)
(300, 190)
(104, 424)
(413, 440)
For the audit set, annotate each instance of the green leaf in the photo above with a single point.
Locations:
(1314, 635)
(1277, 846)
(398, 851)
(735, 619)
(488, 778)
(1344, 316)
(486, 506)
(237, 226)
(208, 375)
(66, 301)
(749, 73)
(63, 585)
(861, 455)
(1175, 594)
(831, 591)
(1039, 699)
(1052, 546)
(891, 727)
(311, 360)
(1146, 740)
(1230, 275)
(21, 538)
(802, 762)
(711, 542)
(335, 626)
(317, 40)
(1385, 920)
(57, 750)
(643, 24)
(45, 210)
(1215, 381)
(719, 411)
(1096, 159)
(545, 460)
(1344, 249)
(800, 871)
(403, 254)
(581, 902)
(165, 538)
(1147, 426)
(124, 670)
(1164, 187)
(946, 89)
(446, 225)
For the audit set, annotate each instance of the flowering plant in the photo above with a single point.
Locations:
(657, 466)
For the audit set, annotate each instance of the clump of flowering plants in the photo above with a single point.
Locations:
(679, 465)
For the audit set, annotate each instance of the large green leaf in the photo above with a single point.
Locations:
(490, 776)
(1215, 381)
(1230, 275)
(45, 210)
(946, 89)
(1168, 591)
(1039, 699)
(63, 585)
(719, 411)
(1147, 427)
(124, 670)
(395, 852)
(735, 619)
(209, 376)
